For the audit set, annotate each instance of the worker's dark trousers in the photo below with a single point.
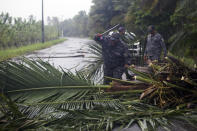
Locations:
(114, 72)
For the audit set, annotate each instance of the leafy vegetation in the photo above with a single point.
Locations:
(16, 32)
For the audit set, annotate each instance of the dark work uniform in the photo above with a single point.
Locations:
(128, 57)
(125, 43)
(154, 46)
(114, 56)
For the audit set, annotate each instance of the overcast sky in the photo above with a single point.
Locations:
(60, 8)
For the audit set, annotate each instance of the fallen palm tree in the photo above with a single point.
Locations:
(36, 95)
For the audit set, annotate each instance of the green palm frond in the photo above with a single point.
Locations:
(38, 84)
(31, 74)
(94, 66)
(147, 117)
(12, 119)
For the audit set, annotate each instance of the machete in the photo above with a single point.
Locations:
(106, 32)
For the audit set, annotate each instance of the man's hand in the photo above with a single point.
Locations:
(126, 66)
(145, 58)
(97, 37)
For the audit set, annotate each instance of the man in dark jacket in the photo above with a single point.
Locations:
(154, 46)
(125, 41)
(114, 55)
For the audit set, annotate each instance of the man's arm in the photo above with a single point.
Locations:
(147, 44)
(145, 50)
(99, 38)
(163, 46)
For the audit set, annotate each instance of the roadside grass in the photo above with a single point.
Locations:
(187, 61)
(14, 52)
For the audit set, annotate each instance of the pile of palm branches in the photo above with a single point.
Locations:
(36, 95)
(171, 84)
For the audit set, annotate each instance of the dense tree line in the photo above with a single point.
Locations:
(15, 32)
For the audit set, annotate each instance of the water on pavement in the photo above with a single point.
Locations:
(69, 55)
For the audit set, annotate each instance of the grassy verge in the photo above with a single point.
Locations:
(187, 61)
(13, 52)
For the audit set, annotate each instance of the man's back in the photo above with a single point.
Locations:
(113, 54)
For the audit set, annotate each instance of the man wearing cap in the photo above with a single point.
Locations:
(154, 46)
(115, 59)
(121, 31)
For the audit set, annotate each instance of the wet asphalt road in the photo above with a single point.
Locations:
(69, 55)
